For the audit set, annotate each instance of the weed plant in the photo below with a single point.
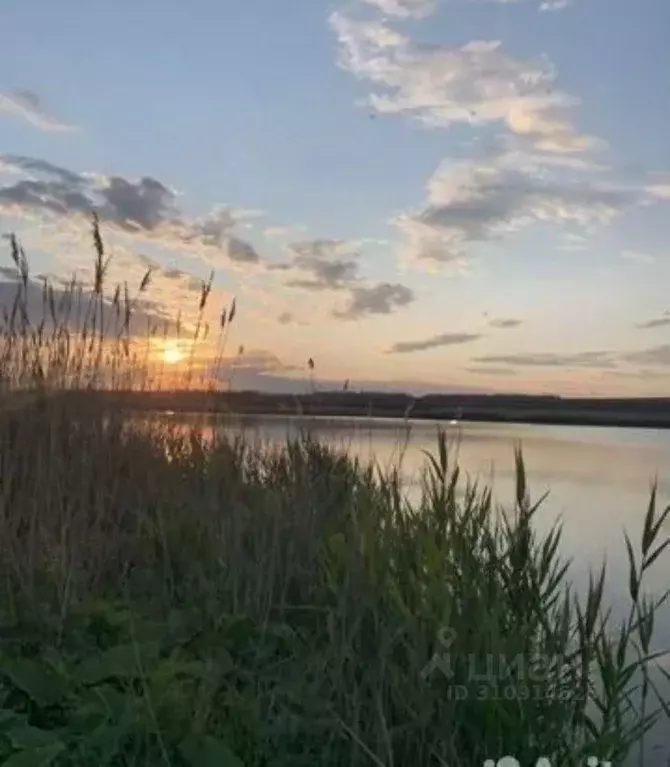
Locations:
(181, 599)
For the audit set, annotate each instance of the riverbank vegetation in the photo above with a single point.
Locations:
(172, 597)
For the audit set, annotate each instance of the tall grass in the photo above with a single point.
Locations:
(172, 598)
(87, 334)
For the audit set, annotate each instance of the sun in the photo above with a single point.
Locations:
(172, 355)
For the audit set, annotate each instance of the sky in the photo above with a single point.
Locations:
(420, 195)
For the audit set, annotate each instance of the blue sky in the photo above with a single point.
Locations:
(462, 194)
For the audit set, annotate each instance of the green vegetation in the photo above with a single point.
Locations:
(176, 598)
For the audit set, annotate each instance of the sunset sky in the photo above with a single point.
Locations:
(418, 194)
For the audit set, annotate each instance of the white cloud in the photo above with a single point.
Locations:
(418, 9)
(544, 5)
(573, 242)
(282, 232)
(662, 191)
(544, 172)
(141, 209)
(554, 5)
(470, 202)
(477, 84)
(428, 244)
(27, 105)
(405, 9)
(638, 256)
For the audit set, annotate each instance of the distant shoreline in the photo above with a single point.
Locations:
(523, 409)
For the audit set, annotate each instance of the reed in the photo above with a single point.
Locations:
(188, 597)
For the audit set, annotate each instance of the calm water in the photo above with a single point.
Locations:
(598, 481)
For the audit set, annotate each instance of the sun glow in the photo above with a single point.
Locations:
(172, 355)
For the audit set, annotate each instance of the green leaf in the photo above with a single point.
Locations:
(39, 682)
(219, 662)
(36, 757)
(103, 744)
(107, 699)
(122, 662)
(171, 669)
(98, 705)
(148, 631)
(26, 737)
(180, 627)
(10, 719)
(86, 718)
(208, 752)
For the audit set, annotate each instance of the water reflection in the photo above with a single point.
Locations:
(598, 480)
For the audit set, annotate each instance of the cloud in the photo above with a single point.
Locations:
(656, 355)
(638, 256)
(475, 201)
(476, 84)
(327, 264)
(297, 382)
(419, 9)
(492, 371)
(658, 322)
(443, 339)
(28, 106)
(640, 374)
(662, 191)
(382, 298)
(427, 244)
(588, 359)
(42, 197)
(71, 309)
(573, 242)
(258, 370)
(144, 209)
(24, 164)
(554, 5)
(282, 232)
(333, 265)
(171, 290)
(260, 361)
(174, 274)
(132, 205)
(240, 250)
(214, 228)
(404, 9)
(309, 251)
(505, 323)
(186, 281)
(543, 5)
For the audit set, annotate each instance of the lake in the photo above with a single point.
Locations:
(598, 480)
